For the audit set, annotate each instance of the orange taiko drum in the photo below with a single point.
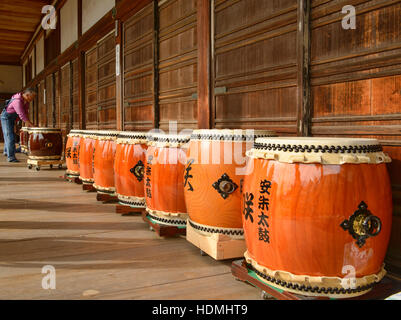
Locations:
(317, 214)
(215, 165)
(105, 149)
(129, 168)
(72, 153)
(164, 184)
(86, 148)
(24, 138)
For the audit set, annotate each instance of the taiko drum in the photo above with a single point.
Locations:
(129, 168)
(72, 149)
(317, 214)
(164, 184)
(45, 144)
(24, 138)
(86, 148)
(105, 149)
(215, 165)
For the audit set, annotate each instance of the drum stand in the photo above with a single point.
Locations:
(127, 210)
(38, 163)
(218, 246)
(88, 187)
(162, 230)
(106, 198)
(239, 269)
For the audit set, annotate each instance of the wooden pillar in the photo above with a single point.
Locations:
(204, 63)
(303, 60)
(156, 107)
(119, 77)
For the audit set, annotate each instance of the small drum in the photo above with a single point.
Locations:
(129, 168)
(164, 185)
(24, 137)
(317, 214)
(45, 144)
(72, 153)
(104, 153)
(86, 148)
(215, 166)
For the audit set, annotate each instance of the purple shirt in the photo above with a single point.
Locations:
(19, 106)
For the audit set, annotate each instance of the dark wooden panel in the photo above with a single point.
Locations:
(138, 50)
(106, 83)
(255, 65)
(75, 97)
(57, 91)
(65, 101)
(49, 100)
(91, 89)
(178, 54)
(42, 108)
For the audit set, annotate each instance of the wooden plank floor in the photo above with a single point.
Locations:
(97, 254)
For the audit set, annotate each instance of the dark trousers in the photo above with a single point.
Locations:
(7, 125)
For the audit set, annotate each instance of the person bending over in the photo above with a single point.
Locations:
(18, 106)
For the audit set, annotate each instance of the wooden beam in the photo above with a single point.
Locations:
(303, 60)
(156, 106)
(204, 63)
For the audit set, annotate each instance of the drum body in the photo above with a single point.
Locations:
(45, 144)
(86, 149)
(164, 185)
(317, 223)
(105, 149)
(72, 153)
(129, 168)
(215, 165)
(24, 137)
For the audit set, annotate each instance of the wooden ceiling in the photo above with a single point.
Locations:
(18, 22)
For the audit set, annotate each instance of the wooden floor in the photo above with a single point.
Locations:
(97, 254)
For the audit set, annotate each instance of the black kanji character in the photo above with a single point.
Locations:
(265, 185)
(187, 175)
(264, 235)
(248, 197)
(263, 203)
(263, 220)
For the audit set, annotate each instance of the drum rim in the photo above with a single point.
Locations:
(133, 134)
(315, 144)
(169, 138)
(230, 134)
(44, 129)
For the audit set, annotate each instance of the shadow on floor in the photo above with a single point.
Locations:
(95, 253)
(67, 225)
(18, 204)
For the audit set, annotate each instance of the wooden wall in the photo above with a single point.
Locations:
(75, 103)
(356, 83)
(255, 65)
(91, 112)
(106, 82)
(177, 37)
(42, 107)
(138, 70)
(65, 99)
